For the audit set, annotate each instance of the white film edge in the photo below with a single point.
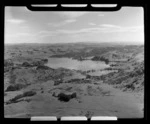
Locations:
(44, 118)
(69, 118)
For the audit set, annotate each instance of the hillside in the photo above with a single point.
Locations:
(31, 88)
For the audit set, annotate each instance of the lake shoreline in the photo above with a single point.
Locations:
(31, 88)
(75, 64)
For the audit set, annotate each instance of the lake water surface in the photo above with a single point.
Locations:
(75, 64)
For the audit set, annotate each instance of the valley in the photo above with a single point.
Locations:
(74, 79)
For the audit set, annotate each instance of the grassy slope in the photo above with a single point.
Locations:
(130, 77)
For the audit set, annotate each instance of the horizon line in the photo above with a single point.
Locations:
(88, 42)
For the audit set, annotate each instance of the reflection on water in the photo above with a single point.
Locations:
(75, 64)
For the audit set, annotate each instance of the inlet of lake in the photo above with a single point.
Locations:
(70, 63)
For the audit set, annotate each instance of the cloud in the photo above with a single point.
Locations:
(84, 30)
(45, 33)
(91, 23)
(115, 28)
(18, 38)
(68, 21)
(132, 29)
(79, 32)
(69, 17)
(17, 35)
(109, 26)
(137, 28)
(104, 29)
(72, 15)
(15, 21)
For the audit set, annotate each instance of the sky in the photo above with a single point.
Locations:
(25, 26)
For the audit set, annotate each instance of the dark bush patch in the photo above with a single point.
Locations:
(100, 58)
(26, 64)
(42, 67)
(74, 95)
(66, 97)
(15, 87)
(69, 88)
(16, 98)
(38, 63)
(45, 60)
(88, 76)
(130, 86)
(57, 82)
(79, 81)
(29, 93)
(25, 94)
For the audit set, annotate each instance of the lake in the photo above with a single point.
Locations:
(75, 64)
